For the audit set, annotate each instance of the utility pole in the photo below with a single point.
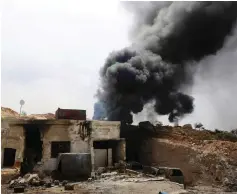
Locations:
(22, 102)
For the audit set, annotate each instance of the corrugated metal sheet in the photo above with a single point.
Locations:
(70, 114)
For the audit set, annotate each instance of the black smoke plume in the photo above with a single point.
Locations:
(168, 39)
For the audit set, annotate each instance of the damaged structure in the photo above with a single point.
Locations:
(28, 143)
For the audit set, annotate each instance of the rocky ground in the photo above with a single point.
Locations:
(118, 184)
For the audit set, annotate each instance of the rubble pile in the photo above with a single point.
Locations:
(34, 181)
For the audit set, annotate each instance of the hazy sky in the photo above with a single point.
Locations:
(52, 51)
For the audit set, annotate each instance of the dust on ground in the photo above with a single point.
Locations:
(119, 187)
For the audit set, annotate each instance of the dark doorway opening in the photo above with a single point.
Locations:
(33, 147)
(9, 157)
(106, 153)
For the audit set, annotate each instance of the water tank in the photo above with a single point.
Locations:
(75, 165)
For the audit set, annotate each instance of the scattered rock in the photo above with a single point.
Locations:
(56, 182)
(64, 183)
(69, 187)
(29, 178)
(101, 170)
(35, 182)
(109, 174)
(18, 182)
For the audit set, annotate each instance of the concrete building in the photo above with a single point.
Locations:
(26, 141)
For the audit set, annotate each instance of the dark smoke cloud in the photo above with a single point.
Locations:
(171, 38)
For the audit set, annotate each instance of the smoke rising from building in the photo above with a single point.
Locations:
(169, 41)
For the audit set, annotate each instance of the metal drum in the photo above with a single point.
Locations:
(75, 165)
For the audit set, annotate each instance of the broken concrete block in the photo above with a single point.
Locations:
(64, 183)
(35, 182)
(30, 177)
(56, 182)
(12, 184)
(19, 189)
(109, 174)
(69, 187)
(101, 170)
(22, 181)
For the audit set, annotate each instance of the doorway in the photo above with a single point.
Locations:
(9, 157)
(33, 147)
(106, 153)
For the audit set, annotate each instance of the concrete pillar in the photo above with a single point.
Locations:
(110, 157)
(92, 159)
(121, 150)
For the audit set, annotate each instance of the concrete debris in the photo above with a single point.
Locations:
(64, 183)
(90, 179)
(35, 183)
(100, 170)
(129, 171)
(140, 180)
(69, 187)
(109, 174)
(18, 182)
(56, 182)
(151, 179)
(29, 178)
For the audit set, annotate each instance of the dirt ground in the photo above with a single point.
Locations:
(107, 186)
(119, 187)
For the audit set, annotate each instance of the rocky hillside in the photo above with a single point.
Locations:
(205, 157)
(7, 112)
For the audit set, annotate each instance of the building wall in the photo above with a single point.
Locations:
(105, 130)
(69, 132)
(12, 137)
(80, 136)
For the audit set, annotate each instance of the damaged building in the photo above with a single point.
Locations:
(29, 142)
